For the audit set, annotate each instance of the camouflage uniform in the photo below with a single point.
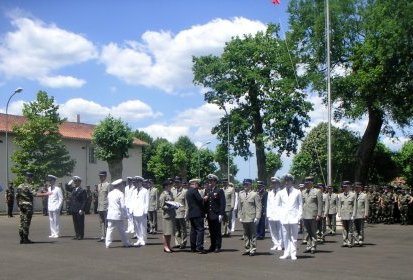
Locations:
(10, 201)
(387, 201)
(24, 199)
(374, 198)
(404, 201)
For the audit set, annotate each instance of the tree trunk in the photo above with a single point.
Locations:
(368, 143)
(115, 169)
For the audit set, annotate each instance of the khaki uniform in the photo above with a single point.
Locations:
(332, 212)
(181, 232)
(249, 213)
(229, 193)
(103, 190)
(152, 210)
(347, 207)
(362, 212)
(312, 207)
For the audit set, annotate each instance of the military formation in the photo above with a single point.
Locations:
(187, 209)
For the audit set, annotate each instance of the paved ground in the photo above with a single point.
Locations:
(388, 254)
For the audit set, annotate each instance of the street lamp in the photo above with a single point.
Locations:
(199, 165)
(228, 150)
(17, 90)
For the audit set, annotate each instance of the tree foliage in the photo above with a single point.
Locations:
(311, 160)
(371, 56)
(112, 138)
(40, 145)
(383, 165)
(405, 161)
(221, 158)
(273, 164)
(147, 152)
(255, 74)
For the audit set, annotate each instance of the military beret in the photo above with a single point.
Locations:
(247, 182)
(177, 179)
(117, 182)
(103, 173)
(196, 180)
(288, 177)
(320, 185)
(346, 183)
(51, 177)
(212, 177)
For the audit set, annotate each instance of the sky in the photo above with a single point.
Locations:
(132, 59)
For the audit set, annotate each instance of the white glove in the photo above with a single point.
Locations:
(80, 212)
(219, 218)
(240, 220)
(352, 218)
(256, 220)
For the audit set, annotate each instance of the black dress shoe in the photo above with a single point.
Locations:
(202, 252)
(28, 241)
(245, 253)
(176, 246)
(182, 247)
(217, 250)
(252, 254)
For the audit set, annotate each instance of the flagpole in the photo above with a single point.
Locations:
(329, 168)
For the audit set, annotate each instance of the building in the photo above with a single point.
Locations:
(77, 138)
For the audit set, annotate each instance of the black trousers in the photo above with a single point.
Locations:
(10, 209)
(215, 234)
(197, 233)
(79, 224)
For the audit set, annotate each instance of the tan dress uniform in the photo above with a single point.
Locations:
(229, 193)
(181, 232)
(346, 210)
(103, 191)
(362, 212)
(249, 213)
(152, 210)
(168, 213)
(332, 212)
(312, 207)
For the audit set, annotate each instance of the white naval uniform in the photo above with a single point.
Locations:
(140, 206)
(291, 210)
(128, 196)
(54, 205)
(116, 216)
(274, 223)
(234, 212)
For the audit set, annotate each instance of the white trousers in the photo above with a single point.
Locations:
(131, 227)
(54, 221)
(120, 226)
(276, 232)
(140, 224)
(234, 218)
(290, 239)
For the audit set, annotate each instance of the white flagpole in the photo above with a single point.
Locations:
(329, 168)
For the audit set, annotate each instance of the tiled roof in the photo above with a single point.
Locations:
(69, 130)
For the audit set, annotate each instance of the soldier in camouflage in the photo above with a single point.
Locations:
(24, 199)
(10, 200)
(404, 200)
(386, 204)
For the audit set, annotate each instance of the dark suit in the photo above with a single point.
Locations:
(261, 223)
(77, 203)
(196, 215)
(215, 207)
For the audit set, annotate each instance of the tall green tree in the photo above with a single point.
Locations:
(383, 165)
(40, 145)
(312, 157)
(113, 138)
(273, 164)
(255, 74)
(371, 54)
(221, 158)
(147, 152)
(161, 164)
(203, 163)
(185, 150)
(404, 160)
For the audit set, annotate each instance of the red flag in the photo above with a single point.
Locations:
(276, 1)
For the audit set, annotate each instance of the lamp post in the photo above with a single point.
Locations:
(228, 149)
(199, 165)
(17, 90)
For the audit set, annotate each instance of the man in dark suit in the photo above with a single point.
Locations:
(77, 207)
(195, 214)
(214, 199)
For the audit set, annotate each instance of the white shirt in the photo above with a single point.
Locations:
(128, 195)
(55, 200)
(272, 209)
(290, 206)
(116, 205)
(139, 202)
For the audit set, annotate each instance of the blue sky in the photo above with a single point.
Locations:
(131, 59)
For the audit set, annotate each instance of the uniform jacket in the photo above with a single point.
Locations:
(168, 212)
(128, 195)
(272, 208)
(78, 200)
(326, 204)
(139, 202)
(10, 195)
(347, 205)
(195, 204)
(180, 197)
(362, 209)
(116, 205)
(312, 203)
(24, 194)
(333, 203)
(55, 199)
(215, 204)
(103, 190)
(229, 198)
(249, 206)
(290, 206)
(153, 199)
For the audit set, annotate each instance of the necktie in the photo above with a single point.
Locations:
(288, 191)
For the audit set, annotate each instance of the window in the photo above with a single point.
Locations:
(92, 155)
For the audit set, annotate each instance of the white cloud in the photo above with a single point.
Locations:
(169, 132)
(36, 50)
(15, 108)
(164, 60)
(128, 111)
